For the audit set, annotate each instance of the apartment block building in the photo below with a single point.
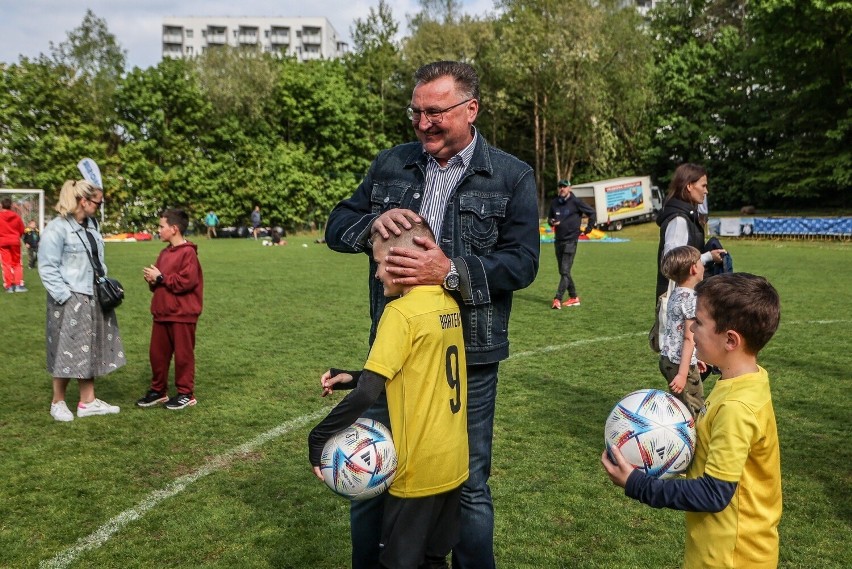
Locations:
(303, 38)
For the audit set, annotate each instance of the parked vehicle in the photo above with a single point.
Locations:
(620, 201)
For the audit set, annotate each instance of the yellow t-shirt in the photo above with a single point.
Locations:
(738, 442)
(420, 346)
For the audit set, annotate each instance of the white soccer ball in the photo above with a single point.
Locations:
(359, 462)
(654, 431)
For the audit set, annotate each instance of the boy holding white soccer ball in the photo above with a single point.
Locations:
(418, 360)
(732, 490)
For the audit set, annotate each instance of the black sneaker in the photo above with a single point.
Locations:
(152, 398)
(180, 401)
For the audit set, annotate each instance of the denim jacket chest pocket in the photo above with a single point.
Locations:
(481, 215)
(73, 247)
(390, 195)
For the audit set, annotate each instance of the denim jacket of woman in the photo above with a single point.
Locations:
(63, 260)
(490, 232)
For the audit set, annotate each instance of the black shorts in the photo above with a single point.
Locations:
(420, 532)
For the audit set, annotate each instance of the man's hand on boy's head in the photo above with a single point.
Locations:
(618, 471)
(391, 221)
(418, 267)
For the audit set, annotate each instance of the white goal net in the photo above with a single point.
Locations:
(29, 204)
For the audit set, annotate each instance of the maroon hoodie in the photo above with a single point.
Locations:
(178, 296)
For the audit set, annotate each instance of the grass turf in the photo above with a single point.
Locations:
(276, 317)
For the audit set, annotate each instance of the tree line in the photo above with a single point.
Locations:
(756, 91)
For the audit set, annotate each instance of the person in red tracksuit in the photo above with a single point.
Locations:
(178, 286)
(11, 230)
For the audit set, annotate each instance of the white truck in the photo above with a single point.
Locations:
(620, 201)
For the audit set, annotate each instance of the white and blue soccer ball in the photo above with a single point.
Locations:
(359, 462)
(654, 431)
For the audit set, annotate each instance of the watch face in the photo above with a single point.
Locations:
(452, 281)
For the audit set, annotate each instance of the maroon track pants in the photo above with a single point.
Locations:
(176, 338)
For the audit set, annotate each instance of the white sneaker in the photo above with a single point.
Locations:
(60, 412)
(96, 407)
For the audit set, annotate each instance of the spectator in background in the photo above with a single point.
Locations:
(11, 231)
(31, 240)
(255, 221)
(212, 220)
(565, 217)
(83, 341)
(678, 220)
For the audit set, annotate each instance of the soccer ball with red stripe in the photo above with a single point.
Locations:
(654, 431)
(359, 462)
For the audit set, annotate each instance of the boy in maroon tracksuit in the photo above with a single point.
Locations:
(177, 284)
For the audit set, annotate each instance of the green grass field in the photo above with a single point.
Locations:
(227, 483)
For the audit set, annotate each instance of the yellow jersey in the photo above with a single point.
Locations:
(737, 441)
(419, 345)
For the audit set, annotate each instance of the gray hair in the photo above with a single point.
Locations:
(464, 76)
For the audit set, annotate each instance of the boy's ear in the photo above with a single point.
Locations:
(733, 340)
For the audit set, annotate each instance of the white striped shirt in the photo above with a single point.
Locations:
(440, 184)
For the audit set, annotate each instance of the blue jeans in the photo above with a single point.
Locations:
(476, 548)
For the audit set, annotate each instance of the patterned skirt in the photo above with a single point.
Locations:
(83, 342)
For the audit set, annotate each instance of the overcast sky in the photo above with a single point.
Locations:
(28, 26)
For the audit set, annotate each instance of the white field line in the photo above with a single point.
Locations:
(587, 341)
(106, 531)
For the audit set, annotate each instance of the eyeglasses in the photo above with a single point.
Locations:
(433, 116)
(94, 202)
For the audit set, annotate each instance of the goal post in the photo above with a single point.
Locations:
(29, 204)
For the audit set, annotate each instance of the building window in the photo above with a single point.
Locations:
(189, 34)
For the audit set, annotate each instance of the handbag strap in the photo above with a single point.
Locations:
(98, 274)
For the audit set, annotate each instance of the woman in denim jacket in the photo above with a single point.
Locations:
(83, 342)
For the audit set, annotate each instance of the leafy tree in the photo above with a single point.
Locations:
(45, 128)
(374, 69)
(95, 59)
(239, 82)
(570, 69)
(802, 54)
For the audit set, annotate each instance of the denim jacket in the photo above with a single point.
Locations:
(63, 260)
(490, 232)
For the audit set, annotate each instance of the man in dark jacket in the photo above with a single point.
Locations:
(565, 217)
(481, 204)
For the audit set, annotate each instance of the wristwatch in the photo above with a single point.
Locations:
(451, 281)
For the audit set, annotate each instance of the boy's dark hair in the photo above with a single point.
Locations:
(6, 203)
(406, 238)
(178, 218)
(677, 262)
(742, 302)
(465, 77)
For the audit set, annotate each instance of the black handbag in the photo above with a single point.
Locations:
(110, 291)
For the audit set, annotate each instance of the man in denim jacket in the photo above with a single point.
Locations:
(481, 203)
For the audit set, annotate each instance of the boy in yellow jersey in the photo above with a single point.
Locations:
(732, 491)
(418, 358)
